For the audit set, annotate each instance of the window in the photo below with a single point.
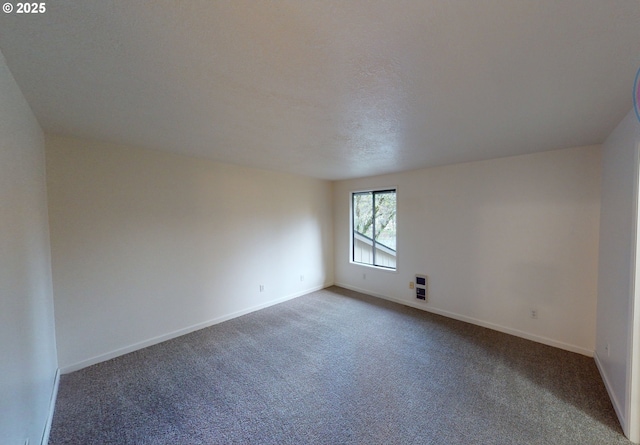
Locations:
(373, 222)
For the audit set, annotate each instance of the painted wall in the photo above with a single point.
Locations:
(28, 361)
(147, 245)
(496, 238)
(616, 272)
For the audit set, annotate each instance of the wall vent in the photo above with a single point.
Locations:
(421, 287)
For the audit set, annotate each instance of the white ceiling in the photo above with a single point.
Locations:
(330, 89)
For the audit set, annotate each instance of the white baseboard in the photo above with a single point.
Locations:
(52, 408)
(159, 339)
(619, 409)
(478, 322)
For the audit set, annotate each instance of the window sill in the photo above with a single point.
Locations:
(371, 266)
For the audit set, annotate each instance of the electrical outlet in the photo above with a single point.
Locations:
(411, 285)
(534, 313)
(262, 288)
(301, 277)
(364, 276)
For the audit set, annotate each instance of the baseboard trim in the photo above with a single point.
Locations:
(52, 407)
(476, 321)
(612, 395)
(159, 339)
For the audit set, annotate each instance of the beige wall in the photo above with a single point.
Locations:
(616, 272)
(496, 238)
(27, 336)
(148, 245)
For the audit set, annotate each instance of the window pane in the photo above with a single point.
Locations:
(362, 211)
(385, 227)
(363, 227)
(374, 228)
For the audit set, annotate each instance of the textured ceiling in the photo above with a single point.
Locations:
(330, 89)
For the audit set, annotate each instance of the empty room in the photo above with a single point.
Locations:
(319, 222)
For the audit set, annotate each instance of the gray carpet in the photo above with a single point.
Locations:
(338, 367)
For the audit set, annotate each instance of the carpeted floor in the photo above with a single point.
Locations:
(338, 367)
